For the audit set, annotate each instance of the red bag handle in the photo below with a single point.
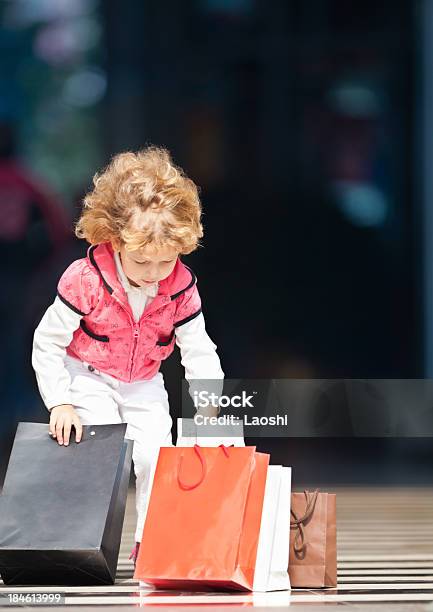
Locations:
(197, 449)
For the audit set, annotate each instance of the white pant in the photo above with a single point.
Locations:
(100, 399)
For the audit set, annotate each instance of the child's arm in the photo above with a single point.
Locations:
(51, 337)
(77, 295)
(199, 357)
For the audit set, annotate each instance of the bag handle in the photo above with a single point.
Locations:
(197, 449)
(309, 509)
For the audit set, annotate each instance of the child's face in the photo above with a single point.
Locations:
(148, 265)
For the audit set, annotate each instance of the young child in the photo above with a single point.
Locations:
(120, 311)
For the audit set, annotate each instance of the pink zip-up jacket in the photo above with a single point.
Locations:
(108, 337)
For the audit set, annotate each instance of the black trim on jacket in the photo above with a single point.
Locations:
(92, 334)
(189, 318)
(166, 342)
(192, 282)
(71, 306)
(178, 324)
(92, 259)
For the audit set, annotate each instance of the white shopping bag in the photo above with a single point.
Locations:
(188, 434)
(274, 538)
(278, 574)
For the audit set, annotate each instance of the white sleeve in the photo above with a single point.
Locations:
(50, 339)
(199, 357)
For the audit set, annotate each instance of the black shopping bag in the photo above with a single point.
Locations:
(62, 507)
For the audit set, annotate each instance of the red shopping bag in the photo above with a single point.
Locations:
(203, 519)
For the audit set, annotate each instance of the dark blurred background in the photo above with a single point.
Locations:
(308, 127)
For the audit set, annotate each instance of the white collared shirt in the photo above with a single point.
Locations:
(55, 330)
(138, 297)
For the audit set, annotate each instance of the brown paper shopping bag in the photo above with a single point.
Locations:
(313, 540)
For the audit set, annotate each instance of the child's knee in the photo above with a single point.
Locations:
(144, 461)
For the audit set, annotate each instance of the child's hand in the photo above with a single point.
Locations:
(209, 411)
(61, 420)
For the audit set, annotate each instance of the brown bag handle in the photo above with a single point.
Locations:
(309, 509)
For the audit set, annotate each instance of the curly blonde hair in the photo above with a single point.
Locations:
(142, 199)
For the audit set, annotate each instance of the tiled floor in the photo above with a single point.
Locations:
(385, 559)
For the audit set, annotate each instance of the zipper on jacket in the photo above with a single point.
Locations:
(136, 334)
